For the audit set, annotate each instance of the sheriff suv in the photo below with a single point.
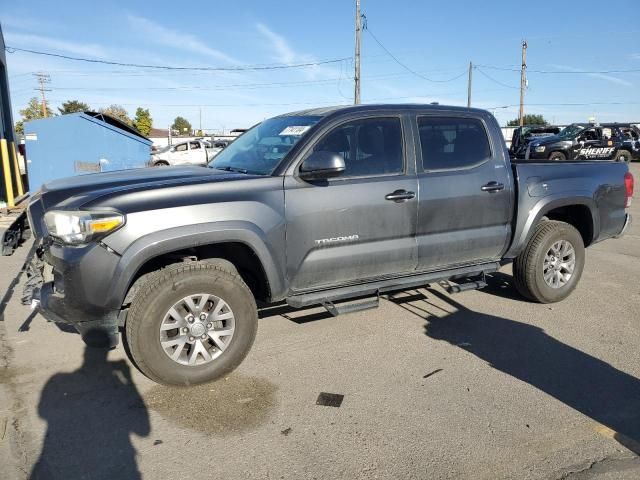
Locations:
(579, 142)
(311, 208)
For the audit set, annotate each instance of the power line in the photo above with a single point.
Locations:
(561, 72)
(410, 70)
(10, 49)
(484, 74)
(568, 104)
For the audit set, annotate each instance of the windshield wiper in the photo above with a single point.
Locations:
(232, 169)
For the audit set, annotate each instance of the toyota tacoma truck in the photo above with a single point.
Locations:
(578, 141)
(312, 208)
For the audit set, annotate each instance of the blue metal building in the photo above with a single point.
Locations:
(80, 143)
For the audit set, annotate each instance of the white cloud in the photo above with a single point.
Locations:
(612, 79)
(27, 40)
(176, 39)
(601, 76)
(283, 52)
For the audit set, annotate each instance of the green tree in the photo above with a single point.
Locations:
(529, 119)
(143, 121)
(117, 111)
(181, 125)
(73, 106)
(32, 111)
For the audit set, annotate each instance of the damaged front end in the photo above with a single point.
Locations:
(46, 290)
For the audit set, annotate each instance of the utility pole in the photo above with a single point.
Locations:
(469, 85)
(356, 97)
(43, 79)
(523, 81)
(200, 120)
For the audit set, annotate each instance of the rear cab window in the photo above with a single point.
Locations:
(452, 142)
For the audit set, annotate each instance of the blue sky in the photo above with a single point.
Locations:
(436, 39)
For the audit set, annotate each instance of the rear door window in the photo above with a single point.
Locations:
(450, 143)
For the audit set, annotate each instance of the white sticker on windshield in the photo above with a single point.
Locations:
(296, 131)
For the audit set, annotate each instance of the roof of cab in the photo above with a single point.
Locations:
(325, 111)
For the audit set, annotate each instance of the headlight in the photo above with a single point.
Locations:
(78, 227)
(540, 149)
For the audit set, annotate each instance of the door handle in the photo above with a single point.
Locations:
(492, 187)
(400, 196)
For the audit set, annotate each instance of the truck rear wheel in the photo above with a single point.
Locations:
(623, 156)
(557, 157)
(191, 323)
(551, 265)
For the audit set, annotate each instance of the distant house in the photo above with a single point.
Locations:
(159, 132)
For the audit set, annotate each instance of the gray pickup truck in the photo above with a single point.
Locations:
(315, 207)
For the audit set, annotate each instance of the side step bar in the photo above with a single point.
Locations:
(367, 304)
(389, 285)
(463, 287)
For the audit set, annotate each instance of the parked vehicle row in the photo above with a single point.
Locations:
(312, 208)
(579, 141)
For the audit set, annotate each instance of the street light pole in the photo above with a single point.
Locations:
(356, 96)
(523, 81)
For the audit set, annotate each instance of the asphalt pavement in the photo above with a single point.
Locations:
(478, 385)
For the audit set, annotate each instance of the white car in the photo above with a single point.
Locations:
(193, 152)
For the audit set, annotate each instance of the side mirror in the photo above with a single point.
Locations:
(321, 165)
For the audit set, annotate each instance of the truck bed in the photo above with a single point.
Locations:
(596, 185)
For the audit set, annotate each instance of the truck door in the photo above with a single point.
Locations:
(466, 195)
(197, 154)
(179, 154)
(360, 225)
(591, 144)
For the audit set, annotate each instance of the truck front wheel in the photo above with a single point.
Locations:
(550, 266)
(191, 323)
(557, 157)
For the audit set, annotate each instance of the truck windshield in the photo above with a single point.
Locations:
(259, 150)
(571, 131)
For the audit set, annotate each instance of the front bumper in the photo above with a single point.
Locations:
(72, 291)
(625, 227)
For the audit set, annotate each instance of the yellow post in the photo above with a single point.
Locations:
(16, 165)
(6, 172)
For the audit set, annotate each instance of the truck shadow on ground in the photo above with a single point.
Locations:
(526, 352)
(91, 414)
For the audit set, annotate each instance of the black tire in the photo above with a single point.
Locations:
(161, 163)
(557, 157)
(623, 156)
(528, 266)
(160, 291)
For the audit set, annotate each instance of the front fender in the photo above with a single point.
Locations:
(189, 236)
